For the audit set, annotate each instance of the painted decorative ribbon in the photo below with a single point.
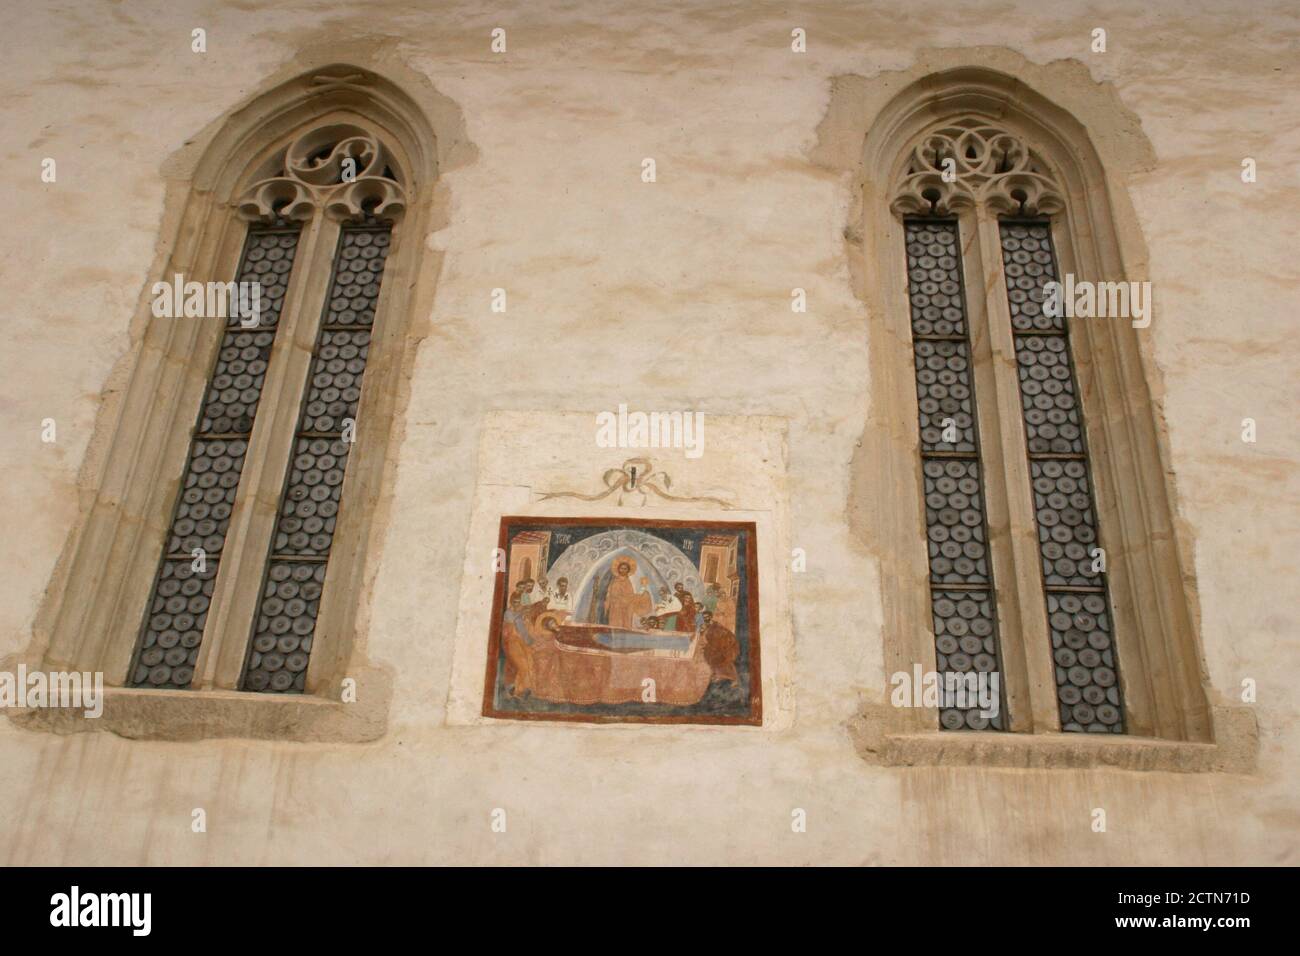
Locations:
(637, 475)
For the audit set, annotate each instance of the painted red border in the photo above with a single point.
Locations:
(755, 715)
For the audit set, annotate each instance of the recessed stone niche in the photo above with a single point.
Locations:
(700, 504)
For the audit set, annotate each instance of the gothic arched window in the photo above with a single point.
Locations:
(326, 202)
(225, 547)
(1043, 528)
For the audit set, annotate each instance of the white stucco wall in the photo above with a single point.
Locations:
(666, 295)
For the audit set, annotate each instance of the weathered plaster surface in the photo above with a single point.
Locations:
(671, 295)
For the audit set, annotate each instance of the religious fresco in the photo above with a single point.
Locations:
(607, 620)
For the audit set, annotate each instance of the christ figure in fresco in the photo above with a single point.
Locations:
(624, 605)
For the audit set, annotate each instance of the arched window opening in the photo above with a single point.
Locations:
(1043, 525)
(238, 492)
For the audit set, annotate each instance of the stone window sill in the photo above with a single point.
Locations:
(1235, 749)
(186, 715)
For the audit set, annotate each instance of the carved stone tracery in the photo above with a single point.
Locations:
(343, 169)
(972, 162)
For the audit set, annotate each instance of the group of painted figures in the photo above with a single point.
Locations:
(539, 626)
(628, 607)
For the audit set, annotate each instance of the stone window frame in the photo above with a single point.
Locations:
(1171, 722)
(91, 616)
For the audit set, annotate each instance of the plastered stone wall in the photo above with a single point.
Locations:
(666, 295)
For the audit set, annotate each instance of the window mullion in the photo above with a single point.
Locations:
(1021, 602)
(961, 579)
(239, 578)
(312, 499)
(1015, 677)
